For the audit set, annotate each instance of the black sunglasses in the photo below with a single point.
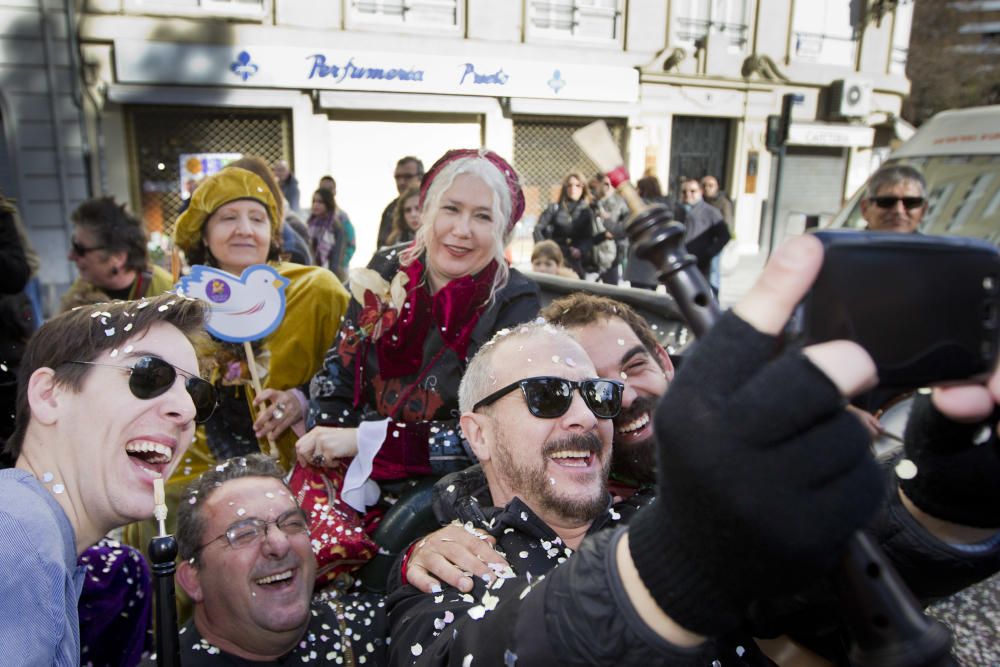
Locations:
(909, 203)
(81, 250)
(151, 377)
(550, 397)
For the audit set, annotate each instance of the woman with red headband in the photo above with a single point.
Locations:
(389, 385)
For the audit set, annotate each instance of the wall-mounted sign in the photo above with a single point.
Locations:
(332, 69)
(196, 167)
(830, 134)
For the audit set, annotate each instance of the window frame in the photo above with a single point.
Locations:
(212, 8)
(356, 20)
(741, 46)
(533, 33)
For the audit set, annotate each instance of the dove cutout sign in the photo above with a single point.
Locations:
(240, 309)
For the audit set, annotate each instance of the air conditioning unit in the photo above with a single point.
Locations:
(851, 97)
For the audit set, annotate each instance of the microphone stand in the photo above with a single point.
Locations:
(162, 554)
(886, 624)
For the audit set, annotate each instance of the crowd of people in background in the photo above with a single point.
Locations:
(431, 391)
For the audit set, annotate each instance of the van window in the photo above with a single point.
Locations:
(963, 196)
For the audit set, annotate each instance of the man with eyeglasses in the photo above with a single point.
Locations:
(246, 562)
(895, 201)
(107, 402)
(409, 170)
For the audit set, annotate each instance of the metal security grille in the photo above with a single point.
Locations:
(159, 136)
(544, 153)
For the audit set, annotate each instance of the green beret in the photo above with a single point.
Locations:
(230, 184)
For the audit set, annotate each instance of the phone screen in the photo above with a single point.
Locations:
(927, 309)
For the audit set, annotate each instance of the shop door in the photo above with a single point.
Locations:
(364, 152)
(698, 147)
(811, 190)
(544, 153)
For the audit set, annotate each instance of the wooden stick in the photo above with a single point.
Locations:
(255, 379)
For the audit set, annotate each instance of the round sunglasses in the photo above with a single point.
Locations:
(549, 397)
(151, 376)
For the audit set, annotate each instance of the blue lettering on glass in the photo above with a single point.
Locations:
(242, 66)
(556, 83)
(499, 77)
(322, 70)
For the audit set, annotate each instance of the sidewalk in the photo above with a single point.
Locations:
(738, 280)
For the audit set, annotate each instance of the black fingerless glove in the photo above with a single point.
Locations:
(958, 467)
(763, 477)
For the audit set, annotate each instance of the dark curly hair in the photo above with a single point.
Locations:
(115, 229)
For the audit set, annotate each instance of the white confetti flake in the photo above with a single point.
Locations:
(127, 327)
(467, 661)
(906, 469)
(163, 308)
(555, 358)
(109, 331)
(416, 649)
(621, 341)
(58, 488)
(477, 612)
(570, 362)
(740, 651)
(48, 477)
(240, 512)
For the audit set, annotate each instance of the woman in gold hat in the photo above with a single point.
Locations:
(234, 222)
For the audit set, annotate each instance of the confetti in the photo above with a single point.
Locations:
(906, 469)
(48, 477)
(621, 341)
(416, 649)
(467, 661)
(58, 488)
(555, 358)
(240, 512)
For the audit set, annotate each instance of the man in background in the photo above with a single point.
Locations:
(409, 171)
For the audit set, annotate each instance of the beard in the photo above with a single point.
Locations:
(635, 460)
(533, 484)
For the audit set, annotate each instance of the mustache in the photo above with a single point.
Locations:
(586, 442)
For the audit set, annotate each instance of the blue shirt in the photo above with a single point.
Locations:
(40, 582)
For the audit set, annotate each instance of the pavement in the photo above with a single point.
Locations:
(737, 279)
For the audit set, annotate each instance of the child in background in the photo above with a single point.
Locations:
(547, 257)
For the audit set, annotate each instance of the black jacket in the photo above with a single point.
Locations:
(539, 614)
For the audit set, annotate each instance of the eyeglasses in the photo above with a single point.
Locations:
(248, 532)
(909, 203)
(81, 250)
(550, 397)
(151, 377)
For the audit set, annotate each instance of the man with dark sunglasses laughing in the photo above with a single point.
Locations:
(896, 200)
(107, 401)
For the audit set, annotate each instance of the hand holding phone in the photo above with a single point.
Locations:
(926, 308)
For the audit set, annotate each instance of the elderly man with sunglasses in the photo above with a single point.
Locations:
(107, 402)
(895, 201)
(248, 566)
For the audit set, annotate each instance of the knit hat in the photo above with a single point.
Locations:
(230, 184)
(513, 182)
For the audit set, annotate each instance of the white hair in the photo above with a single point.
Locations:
(501, 210)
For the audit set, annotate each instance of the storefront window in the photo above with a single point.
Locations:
(589, 20)
(824, 32)
(727, 19)
(420, 13)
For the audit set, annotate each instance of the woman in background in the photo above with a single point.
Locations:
(405, 217)
(331, 234)
(570, 222)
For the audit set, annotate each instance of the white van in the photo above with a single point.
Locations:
(958, 153)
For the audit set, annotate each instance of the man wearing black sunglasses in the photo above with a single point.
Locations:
(107, 402)
(895, 200)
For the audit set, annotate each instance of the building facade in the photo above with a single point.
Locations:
(170, 89)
